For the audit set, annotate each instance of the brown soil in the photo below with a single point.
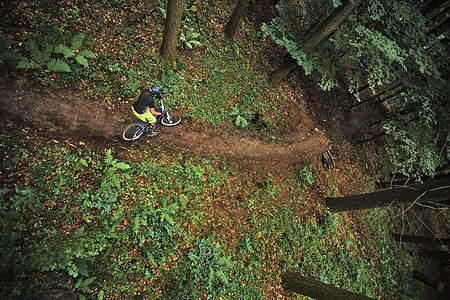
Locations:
(66, 113)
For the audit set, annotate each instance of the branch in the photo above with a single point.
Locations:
(412, 204)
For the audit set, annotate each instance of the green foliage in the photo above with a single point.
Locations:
(133, 82)
(73, 254)
(77, 41)
(7, 54)
(128, 60)
(189, 37)
(304, 176)
(106, 195)
(381, 43)
(39, 57)
(16, 213)
(80, 56)
(329, 251)
(223, 91)
(44, 57)
(414, 158)
(153, 231)
(58, 65)
(149, 241)
(240, 121)
(65, 51)
(205, 270)
(134, 229)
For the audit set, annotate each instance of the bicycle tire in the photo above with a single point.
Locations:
(174, 120)
(130, 133)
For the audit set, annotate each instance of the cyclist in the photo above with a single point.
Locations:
(144, 107)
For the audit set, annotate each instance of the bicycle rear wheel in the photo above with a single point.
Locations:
(171, 120)
(133, 132)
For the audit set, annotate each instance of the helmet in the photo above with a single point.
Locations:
(157, 91)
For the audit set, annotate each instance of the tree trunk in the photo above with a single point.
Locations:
(438, 17)
(314, 37)
(436, 284)
(421, 240)
(439, 255)
(283, 70)
(371, 138)
(433, 191)
(378, 97)
(171, 33)
(398, 179)
(238, 12)
(297, 283)
(55, 294)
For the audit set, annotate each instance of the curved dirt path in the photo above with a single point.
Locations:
(64, 112)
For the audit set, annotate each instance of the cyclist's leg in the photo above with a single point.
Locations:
(139, 116)
(152, 120)
(147, 115)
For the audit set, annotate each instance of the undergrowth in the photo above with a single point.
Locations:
(148, 227)
(112, 57)
(162, 225)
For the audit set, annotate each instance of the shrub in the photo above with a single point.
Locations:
(304, 176)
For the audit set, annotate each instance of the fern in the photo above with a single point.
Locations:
(58, 65)
(106, 195)
(88, 54)
(76, 44)
(77, 41)
(43, 56)
(26, 63)
(39, 57)
(5, 43)
(82, 60)
(8, 55)
(64, 50)
(204, 269)
(32, 46)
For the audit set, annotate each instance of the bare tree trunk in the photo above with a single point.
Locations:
(238, 12)
(172, 25)
(318, 34)
(283, 70)
(421, 240)
(439, 255)
(438, 18)
(371, 138)
(433, 191)
(378, 97)
(436, 284)
(297, 283)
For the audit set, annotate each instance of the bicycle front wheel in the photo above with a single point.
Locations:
(171, 120)
(133, 132)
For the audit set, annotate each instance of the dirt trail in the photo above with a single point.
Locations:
(67, 113)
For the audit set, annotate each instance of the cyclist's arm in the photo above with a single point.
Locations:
(154, 112)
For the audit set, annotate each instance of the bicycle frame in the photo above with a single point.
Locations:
(143, 127)
(134, 131)
(164, 112)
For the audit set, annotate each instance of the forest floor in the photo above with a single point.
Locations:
(70, 117)
(65, 116)
(68, 114)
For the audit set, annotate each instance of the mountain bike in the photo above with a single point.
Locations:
(136, 130)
